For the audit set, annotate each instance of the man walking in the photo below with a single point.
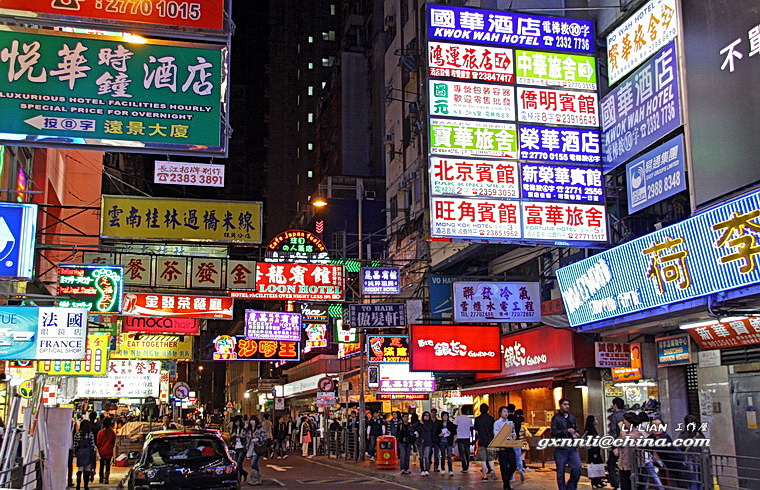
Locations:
(484, 434)
(613, 429)
(564, 427)
(464, 430)
(436, 441)
(375, 429)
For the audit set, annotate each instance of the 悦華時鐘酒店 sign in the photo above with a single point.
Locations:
(103, 92)
(96, 287)
(455, 348)
(178, 306)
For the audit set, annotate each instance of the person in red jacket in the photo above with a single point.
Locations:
(106, 440)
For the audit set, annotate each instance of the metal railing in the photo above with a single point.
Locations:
(343, 444)
(27, 476)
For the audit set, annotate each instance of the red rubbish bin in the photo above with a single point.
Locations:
(386, 452)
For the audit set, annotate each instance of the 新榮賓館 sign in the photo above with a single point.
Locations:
(711, 252)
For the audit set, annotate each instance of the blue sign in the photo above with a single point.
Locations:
(673, 351)
(714, 251)
(18, 332)
(440, 296)
(644, 108)
(493, 27)
(551, 182)
(18, 228)
(385, 315)
(570, 145)
(656, 175)
(381, 280)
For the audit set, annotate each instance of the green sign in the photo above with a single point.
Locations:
(104, 92)
(473, 138)
(555, 70)
(98, 288)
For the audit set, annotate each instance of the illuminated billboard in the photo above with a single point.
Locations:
(98, 288)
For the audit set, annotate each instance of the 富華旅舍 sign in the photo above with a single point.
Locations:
(104, 92)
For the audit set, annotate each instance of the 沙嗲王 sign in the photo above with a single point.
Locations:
(104, 92)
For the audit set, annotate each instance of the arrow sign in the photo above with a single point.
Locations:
(61, 123)
(279, 468)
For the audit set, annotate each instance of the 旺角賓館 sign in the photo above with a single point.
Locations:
(711, 252)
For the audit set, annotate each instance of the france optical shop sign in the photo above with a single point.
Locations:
(455, 348)
(713, 251)
(103, 92)
(95, 287)
(45, 333)
(497, 302)
(94, 363)
(18, 228)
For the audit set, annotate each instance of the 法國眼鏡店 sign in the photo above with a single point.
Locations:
(381, 315)
(42, 333)
(94, 363)
(132, 217)
(272, 325)
(160, 325)
(469, 177)
(388, 348)
(656, 175)
(489, 302)
(103, 92)
(555, 70)
(237, 348)
(125, 379)
(132, 346)
(309, 282)
(471, 100)
(710, 252)
(674, 350)
(178, 306)
(380, 280)
(98, 288)
(455, 348)
(181, 173)
(18, 229)
(455, 137)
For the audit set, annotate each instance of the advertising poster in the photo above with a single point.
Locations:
(547, 143)
(380, 280)
(396, 378)
(42, 333)
(18, 236)
(488, 302)
(611, 354)
(674, 350)
(237, 348)
(195, 174)
(471, 100)
(475, 218)
(98, 288)
(455, 348)
(469, 177)
(125, 379)
(656, 175)
(94, 363)
(178, 306)
(387, 348)
(383, 315)
(722, 335)
(169, 347)
(563, 221)
(299, 282)
(160, 325)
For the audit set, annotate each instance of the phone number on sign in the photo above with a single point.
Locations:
(170, 9)
(571, 118)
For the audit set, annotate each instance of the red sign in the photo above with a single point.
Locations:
(630, 373)
(722, 335)
(161, 325)
(299, 282)
(402, 396)
(165, 14)
(177, 306)
(455, 348)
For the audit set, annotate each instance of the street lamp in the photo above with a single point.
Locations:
(320, 201)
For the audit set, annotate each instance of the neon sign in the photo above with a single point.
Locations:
(98, 288)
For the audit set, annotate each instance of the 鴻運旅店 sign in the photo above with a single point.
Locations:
(102, 92)
(272, 325)
(133, 218)
(44, 333)
(470, 62)
(94, 363)
(299, 282)
(95, 287)
(131, 346)
(489, 302)
(555, 70)
(612, 355)
(160, 326)
(178, 306)
(455, 348)
(380, 280)
(237, 348)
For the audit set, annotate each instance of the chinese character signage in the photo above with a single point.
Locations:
(471, 100)
(723, 335)
(272, 325)
(160, 325)
(563, 221)
(196, 174)
(345, 334)
(612, 354)
(125, 379)
(630, 373)
(94, 363)
(646, 31)
(297, 246)
(493, 27)
(171, 271)
(307, 282)
(555, 70)
(30, 332)
(162, 15)
(641, 110)
(468, 218)
(558, 182)
(241, 274)
(380, 280)
(487, 302)
(473, 138)
(178, 306)
(18, 228)
(316, 336)
(551, 106)
(656, 175)
(102, 92)
(206, 273)
(237, 348)
(674, 351)
(471, 178)
(469, 62)
(348, 349)
(547, 143)
(710, 252)
(382, 315)
(455, 348)
(132, 217)
(397, 378)
(98, 288)
(387, 348)
(132, 346)
(137, 269)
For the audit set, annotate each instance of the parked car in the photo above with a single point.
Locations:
(183, 460)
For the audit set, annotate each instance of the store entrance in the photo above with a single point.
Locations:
(745, 389)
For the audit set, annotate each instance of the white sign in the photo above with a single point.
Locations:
(62, 333)
(473, 138)
(650, 28)
(279, 403)
(180, 173)
(709, 358)
(550, 106)
(181, 390)
(486, 302)
(397, 378)
(474, 218)
(564, 221)
(487, 63)
(469, 177)
(612, 355)
(125, 379)
(471, 100)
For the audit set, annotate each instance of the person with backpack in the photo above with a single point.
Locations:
(258, 447)
(424, 431)
(86, 453)
(105, 441)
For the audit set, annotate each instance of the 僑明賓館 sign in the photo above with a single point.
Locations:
(103, 92)
(708, 253)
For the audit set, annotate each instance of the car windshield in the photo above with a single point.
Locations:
(176, 450)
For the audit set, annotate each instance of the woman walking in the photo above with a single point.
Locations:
(424, 431)
(105, 441)
(85, 451)
(259, 446)
(306, 434)
(404, 439)
(239, 437)
(446, 430)
(594, 453)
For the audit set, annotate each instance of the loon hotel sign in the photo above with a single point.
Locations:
(299, 282)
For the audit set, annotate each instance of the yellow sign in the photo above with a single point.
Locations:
(26, 389)
(95, 361)
(128, 346)
(135, 218)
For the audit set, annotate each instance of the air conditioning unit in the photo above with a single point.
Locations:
(369, 195)
(389, 139)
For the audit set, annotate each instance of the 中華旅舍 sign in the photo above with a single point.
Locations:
(94, 363)
(485, 63)
(98, 288)
(388, 348)
(101, 92)
(455, 348)
(136, 218)
(656, 175)
(238, 348)
(674, 350)
(705, 254)
(380, 280)
(309, 282)
(380, 315)
(178, 306)
(42, 333)
(18, 229)
(182, 173)
(135, 346)
(489, 302)
(136, 378)
(272, 325)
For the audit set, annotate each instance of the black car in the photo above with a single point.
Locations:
(183, 460)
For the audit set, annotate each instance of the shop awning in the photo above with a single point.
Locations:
(504, 385)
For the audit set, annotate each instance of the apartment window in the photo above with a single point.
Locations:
(324, 84)
(394, 207)
(298, 48)
(310, 90)
(298, 152)
(309, 146)
(310, 174)
(311, 66)
(298, 126)
(298, 74)
(311, 39)
(298, 99)
(328, 36)
(310, 117)
(332, 9)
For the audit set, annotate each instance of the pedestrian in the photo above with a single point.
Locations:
(394, 422)
(239, 438)
(86, 453)
(95, 426)
(72, 454)
(673, 459)
(646, 469)
(614, 421)
(259, 446)
(507, 464)
(522, 435)
(436, 441)
(693, 460)
(404, 441)
(280, 433)
(166, 423)
(464, 432)
(306, 434)
(375, 429)
(564, 427)
(267, 424)
(423, 432)
(625, 453)
(594, 452)
(446, 431)
(105, 441)
(484, 435)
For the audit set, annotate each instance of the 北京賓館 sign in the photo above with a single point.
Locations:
(104, 92)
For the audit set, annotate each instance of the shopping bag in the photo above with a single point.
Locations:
(596, 470)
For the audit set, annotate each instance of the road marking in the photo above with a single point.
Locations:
(279, 468)
(390, 482)
(341, 481)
